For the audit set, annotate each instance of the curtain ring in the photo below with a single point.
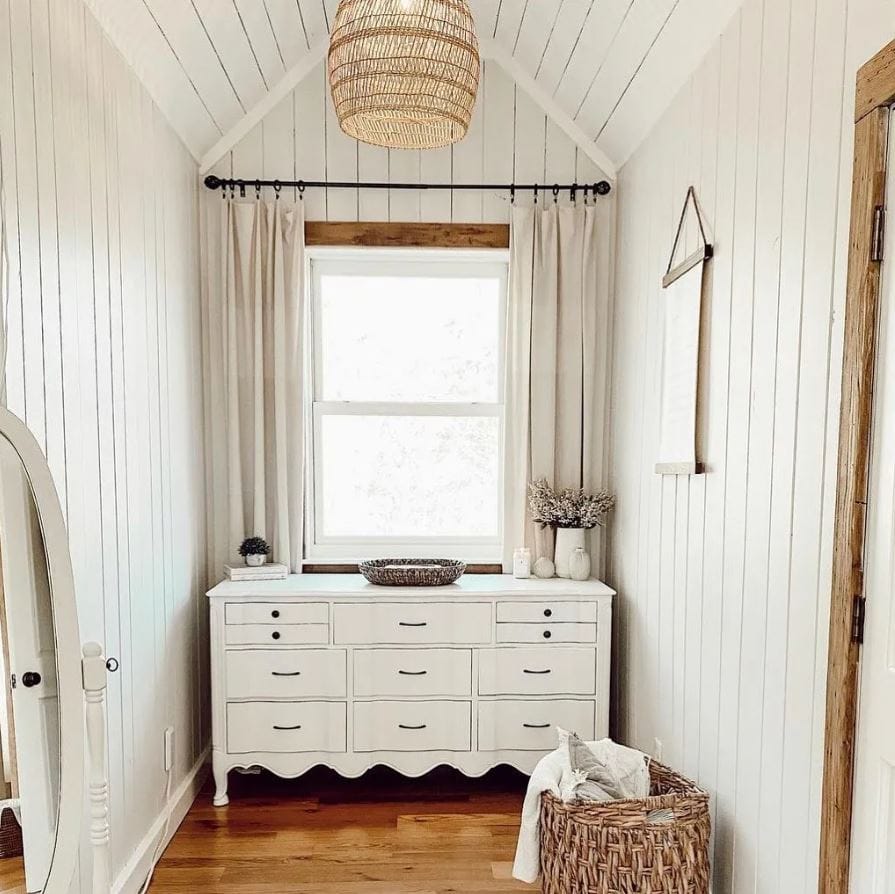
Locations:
(258, 190)
(555, 193)
(277, 186)
(301, 190)
(242, 189)
(513, 194)
(586, 201)
(536, 193)
(573, 193)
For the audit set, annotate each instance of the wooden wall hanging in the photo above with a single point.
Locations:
(683, 286)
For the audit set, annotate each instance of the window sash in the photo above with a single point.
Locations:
(397, 262)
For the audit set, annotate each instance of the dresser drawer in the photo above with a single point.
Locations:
(539, 612)
(276, 613)
(270, 635)
(531, 725)
(286, 673)
(537, 671)
(286, 727)
(412, 672)
(412, 726)
(412, 623)
(544, 633)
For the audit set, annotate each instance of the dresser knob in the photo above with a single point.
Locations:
(548, 612)
(547, 634)
(276, 634)
(275, 614)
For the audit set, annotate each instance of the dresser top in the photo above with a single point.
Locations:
(354, 586)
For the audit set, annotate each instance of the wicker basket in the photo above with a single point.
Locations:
(624, 847)
(412, 572)
(10, 835)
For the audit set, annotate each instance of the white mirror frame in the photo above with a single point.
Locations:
(68, 652)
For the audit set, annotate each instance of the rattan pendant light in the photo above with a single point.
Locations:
(404, 73)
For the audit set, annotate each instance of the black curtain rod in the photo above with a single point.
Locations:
(600, 188)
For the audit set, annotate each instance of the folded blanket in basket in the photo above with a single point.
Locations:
(576, 771)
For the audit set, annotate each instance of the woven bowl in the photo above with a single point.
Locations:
(412, 572)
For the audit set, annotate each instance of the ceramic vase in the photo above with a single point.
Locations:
(567, 541)
(579, 564)
(256, 560)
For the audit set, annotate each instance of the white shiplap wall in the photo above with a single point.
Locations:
(102, 212)
(724, 578)
(511, 138)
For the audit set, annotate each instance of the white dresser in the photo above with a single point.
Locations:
(328, 669)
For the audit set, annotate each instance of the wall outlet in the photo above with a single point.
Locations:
(657, 749)
(169, 749)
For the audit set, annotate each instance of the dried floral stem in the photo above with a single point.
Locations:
(569, 507)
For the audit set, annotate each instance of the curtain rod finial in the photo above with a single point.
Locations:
(213, 182)
(602, 188)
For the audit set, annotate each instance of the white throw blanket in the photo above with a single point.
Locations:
(553, 774)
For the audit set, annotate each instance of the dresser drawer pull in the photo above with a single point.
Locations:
(275, 614)
(547, 634)
(548, 612)
(413, 623)
(413, 673)
(286, 673)
(284, 728)
(536, 725)
(405, 726)
(275, 634)
(527, 671)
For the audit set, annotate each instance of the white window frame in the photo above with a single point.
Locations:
(320, 549)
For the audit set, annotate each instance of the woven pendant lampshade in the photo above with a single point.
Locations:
(404, 73)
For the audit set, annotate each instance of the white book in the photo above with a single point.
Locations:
(269, 571)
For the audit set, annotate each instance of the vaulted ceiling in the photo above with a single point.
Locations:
(608, 67)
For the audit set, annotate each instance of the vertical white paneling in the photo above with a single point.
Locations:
(724, 579)
(341, 164)
(255, 21)
(310, 140)
(498, 99)
(104, 259)
(468, 166)
(509, 140)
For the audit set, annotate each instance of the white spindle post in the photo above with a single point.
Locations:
(94, 676)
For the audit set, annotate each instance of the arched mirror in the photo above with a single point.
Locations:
(41, 699)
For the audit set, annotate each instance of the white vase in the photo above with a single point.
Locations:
(579, 564)
(567, 541)
(256, 560)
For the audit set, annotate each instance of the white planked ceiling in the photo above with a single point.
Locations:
(610, 67)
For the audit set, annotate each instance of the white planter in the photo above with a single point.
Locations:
(256, 560)
(567, 541)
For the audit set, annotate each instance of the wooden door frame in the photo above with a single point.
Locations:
(875, 92)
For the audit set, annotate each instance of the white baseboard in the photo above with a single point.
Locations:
(132, 876)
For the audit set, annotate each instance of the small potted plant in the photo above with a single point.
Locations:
(254, 550)
(571, 512)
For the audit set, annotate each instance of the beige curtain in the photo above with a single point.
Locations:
(556, 360)
(254, 312)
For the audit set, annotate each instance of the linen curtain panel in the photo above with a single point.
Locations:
(557, 325)
(255, 373)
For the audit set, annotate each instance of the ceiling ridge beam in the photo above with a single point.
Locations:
(491, 49)
(258, 112)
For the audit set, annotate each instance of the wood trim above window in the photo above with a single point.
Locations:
(406, 235)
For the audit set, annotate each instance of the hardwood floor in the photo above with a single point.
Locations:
(321, 834)
(12, 876)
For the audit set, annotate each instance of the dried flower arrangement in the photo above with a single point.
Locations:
(567, 508)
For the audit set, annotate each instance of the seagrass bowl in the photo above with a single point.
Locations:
(412, 572)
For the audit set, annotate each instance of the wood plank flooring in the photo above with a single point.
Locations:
(321, 834)
(12, 875)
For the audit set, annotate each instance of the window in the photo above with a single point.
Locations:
(407, 388)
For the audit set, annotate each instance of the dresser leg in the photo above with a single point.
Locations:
(219, 770)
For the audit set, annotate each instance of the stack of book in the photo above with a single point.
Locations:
(268, 571)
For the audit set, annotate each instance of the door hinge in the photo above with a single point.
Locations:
(879, 232)
(857, 620)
